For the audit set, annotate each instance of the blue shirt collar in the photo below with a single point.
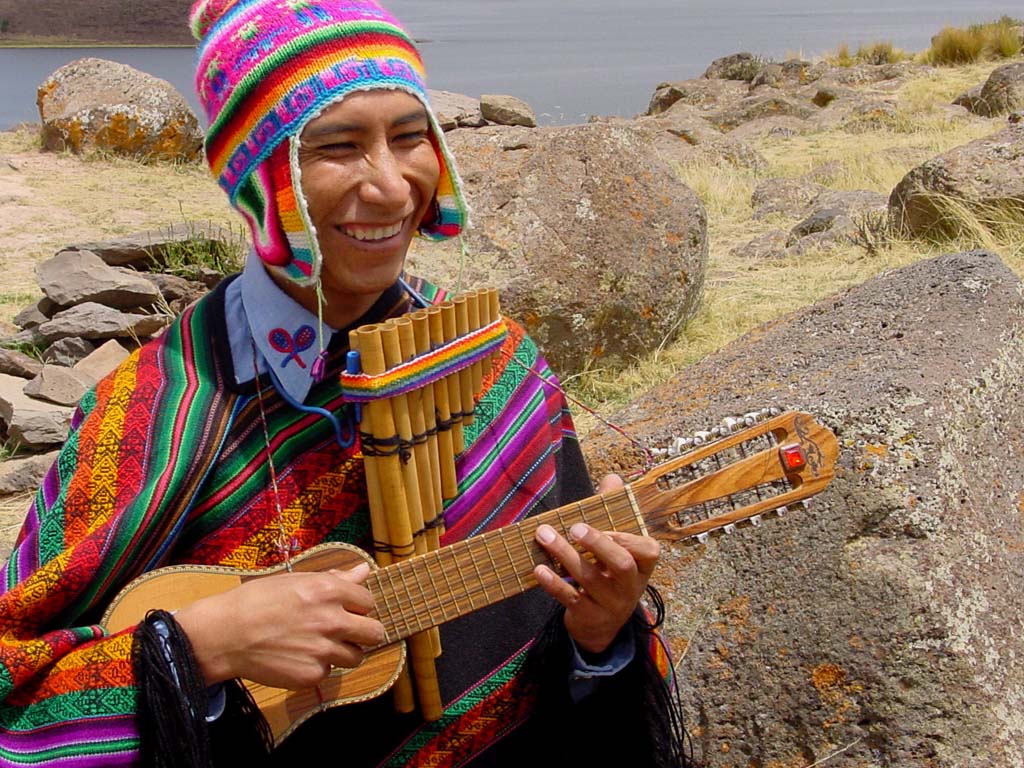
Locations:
(286, 334)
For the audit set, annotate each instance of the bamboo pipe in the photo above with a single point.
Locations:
(405, 511)
(389, 485)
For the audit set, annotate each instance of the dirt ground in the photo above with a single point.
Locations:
(48, 201)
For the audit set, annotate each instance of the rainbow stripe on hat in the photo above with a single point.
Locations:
(265, 69)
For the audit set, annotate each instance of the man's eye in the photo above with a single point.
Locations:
(410, 136)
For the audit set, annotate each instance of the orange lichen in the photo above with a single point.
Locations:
(835, 692)
(736, 625)
(826, 676)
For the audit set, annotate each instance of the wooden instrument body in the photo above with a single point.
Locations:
(177, 586)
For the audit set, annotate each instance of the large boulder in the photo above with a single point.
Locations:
(1003, 91)
(980, 176)
(883, 625)
(593, 244)
(93, 104)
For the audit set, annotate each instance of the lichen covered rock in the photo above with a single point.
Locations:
(592, 243)
(93, 104)
(884, 623)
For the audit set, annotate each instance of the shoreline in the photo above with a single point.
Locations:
(36, 44)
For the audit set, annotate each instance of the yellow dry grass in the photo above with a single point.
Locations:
(741, 295)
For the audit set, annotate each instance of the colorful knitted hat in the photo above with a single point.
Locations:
(268, 67)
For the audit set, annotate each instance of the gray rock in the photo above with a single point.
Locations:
(67, 351)
(1003, 92)
(820, 220)
(681, 134)
(788, 197)
(92, 104)
(95, 321)
(507, 110)
(150, 248)
(701, 93)
(60, 385)
(75, 277)
(177, 291)
(882, 626)
(736, 66)
(970, 98)
(102, 360)
(32, 424)
(38, 313)
(770, 245)
(980, 176)
(761, 106)
(784, 126)
(22, 474)
(19, 364)
(456, 110)
(590, 240)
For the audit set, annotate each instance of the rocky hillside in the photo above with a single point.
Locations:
(157, 22)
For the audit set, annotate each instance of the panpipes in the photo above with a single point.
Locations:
(414, 380)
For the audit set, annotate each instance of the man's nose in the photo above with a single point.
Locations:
(384, 183)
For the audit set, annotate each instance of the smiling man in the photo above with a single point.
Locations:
(228, 442)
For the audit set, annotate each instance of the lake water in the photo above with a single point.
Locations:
(573, 58)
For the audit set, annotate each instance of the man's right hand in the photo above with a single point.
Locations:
(286, 630)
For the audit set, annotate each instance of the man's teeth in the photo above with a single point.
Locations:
(373, 233)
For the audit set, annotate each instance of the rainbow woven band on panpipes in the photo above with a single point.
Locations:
(427, 368)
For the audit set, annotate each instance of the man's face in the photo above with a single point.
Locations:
(369, 172)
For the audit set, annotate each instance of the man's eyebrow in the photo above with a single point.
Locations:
(331, 128)
(412, 117)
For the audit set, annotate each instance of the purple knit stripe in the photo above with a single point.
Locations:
(478, 453)
(75, 732)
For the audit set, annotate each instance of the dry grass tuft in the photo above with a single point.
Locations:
(954, 46)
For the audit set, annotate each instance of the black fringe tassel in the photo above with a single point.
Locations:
(172, 706)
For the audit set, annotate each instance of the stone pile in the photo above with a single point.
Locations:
(98, 303)
(742, 97)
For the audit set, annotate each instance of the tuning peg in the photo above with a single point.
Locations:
(756, 521)
(730, 529)
(732, 424)
(701, 437)
(781, 511)
(702, 538)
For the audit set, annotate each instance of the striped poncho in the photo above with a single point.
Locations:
(167, 463)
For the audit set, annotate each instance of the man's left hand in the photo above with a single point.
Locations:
(605, 591)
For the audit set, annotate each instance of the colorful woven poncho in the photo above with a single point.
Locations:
(167, 464)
